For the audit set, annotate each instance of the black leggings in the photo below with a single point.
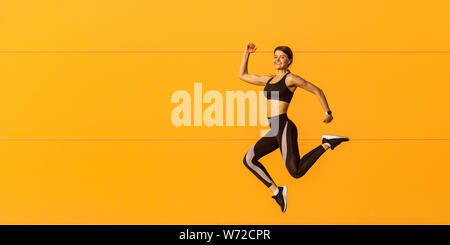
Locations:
(282, 134)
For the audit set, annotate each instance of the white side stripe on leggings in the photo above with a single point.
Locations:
(284, 143)
(249, 158)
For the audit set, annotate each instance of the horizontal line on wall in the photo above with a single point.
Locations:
(208, 139)
(221, 51)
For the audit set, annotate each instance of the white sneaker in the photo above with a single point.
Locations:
(333, 140)
(281, 198)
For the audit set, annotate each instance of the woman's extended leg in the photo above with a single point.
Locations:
(262, 147)
(296, 166)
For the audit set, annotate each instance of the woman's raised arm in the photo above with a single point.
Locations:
(243, 72)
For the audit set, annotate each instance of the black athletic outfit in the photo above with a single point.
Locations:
(283, 135)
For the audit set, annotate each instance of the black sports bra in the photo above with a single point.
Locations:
(284, 93)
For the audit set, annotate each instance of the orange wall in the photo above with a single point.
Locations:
(86, 135)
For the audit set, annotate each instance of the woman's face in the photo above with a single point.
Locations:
(280, 60)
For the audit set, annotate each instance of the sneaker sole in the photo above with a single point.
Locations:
(327, 136)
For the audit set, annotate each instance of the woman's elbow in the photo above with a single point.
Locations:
(318, 91)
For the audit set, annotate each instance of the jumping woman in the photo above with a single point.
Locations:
(283, 132)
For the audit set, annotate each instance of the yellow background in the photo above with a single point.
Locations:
(86, 136)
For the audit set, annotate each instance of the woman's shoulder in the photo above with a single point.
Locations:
(292, 75)
(292, 78)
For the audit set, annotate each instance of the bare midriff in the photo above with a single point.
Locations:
(282, 107)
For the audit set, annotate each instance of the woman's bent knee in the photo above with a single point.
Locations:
(246, 160)
(296, 174)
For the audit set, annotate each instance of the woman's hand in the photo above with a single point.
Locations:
(328, 119)
(250, 48)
